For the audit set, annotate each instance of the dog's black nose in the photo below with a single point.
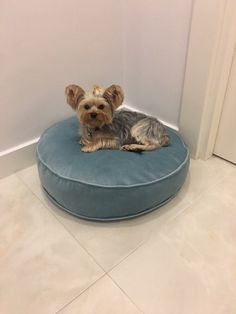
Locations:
(93, 115)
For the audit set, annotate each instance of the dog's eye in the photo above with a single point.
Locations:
(86, 107)
(101, 107)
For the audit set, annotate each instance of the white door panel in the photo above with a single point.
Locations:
(225, 145)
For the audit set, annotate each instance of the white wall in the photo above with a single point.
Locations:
(45, 45)
(155, 47)
(48, 44)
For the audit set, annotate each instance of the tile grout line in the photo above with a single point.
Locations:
(64, 227)
(125, 293)
(196, 198)
(211, 187)
(71, 234)
(54, 216)
(192, 202)
(78, 242)
(126, 256)
(218, 180)
(92, 284)
(145, 242)
(83, 291)
(140, 245)
(105, 272)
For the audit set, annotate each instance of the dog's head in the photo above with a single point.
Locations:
(95, 109)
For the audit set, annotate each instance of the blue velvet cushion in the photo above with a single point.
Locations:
(108, 184)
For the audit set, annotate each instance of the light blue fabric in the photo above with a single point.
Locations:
(108, 184)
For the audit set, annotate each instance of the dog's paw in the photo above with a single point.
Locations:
(84, 142)
(127, 148)
(88, 149)
(131, 148)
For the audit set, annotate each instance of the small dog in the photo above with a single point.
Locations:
(104, 127)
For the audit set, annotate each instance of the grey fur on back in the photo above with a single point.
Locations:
(129, 127)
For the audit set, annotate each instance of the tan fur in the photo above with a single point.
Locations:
(100, 144)
(140, 147)
(114, 95)
(97, 90)
(104, 116)
(103, 128)
(74, 95)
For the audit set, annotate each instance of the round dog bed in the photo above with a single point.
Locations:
(108, 184)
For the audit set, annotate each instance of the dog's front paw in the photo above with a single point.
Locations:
(84, 142)
(131, 148)
(127, 148)
(124, 147)
(88, 149)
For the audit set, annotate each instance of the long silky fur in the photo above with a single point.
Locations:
(111, 128)
(128, 127)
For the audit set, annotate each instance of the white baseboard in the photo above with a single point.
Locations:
(17, 158)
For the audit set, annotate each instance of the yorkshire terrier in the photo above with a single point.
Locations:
(104, 127)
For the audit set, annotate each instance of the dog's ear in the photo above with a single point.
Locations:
(74, 95)
(114, 96)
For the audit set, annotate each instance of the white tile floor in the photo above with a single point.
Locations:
(180, 259)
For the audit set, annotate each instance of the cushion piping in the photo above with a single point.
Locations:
(143, 212)
(118, 186)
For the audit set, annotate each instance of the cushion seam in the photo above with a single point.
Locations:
(110, 219)
(121, 186)
(117, 186)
